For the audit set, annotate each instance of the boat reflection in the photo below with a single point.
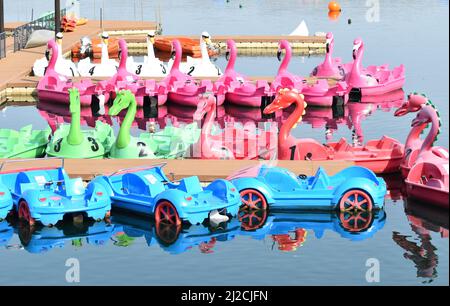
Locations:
(419, 249)
(41, 239)
(6, 232)
(289, 230)
(175, 239)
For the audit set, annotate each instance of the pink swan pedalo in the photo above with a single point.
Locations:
(232, 142)
(238, 89)
(123, 79)
(53, 87)
(428, 178)
(181, 88)
(413, 143)
(374, 80)
(319, 93)
(331, 68)
(381, 156)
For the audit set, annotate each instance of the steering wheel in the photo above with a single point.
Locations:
(302, 176)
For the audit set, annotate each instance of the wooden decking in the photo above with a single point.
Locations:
(206, 170)
(17, 65)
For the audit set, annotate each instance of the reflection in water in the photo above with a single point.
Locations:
(423, 220)
(40, 239)
(289, 230)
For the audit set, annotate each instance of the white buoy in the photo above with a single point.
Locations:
(301, 30)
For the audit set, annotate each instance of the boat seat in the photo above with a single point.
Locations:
(190, 185)
(281, 182)
(342, 145)
(133, 183)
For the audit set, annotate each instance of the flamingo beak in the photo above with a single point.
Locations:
(172, 55)
(227, 55)
(272, 108)
(279, 55)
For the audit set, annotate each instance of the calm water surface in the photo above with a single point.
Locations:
(409, 245)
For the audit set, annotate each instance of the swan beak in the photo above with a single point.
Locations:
(304, 112)
(105, 41)
(295, 126)
(208, 41)
(152, 40)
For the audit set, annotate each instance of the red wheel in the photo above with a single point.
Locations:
(166, 233)
(25, 214)
(252, 219)
(355, 201)
(356, 222)
(253, 199)
(167, 213)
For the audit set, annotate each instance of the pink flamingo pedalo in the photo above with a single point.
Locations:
(381, 156)
(428, 178)
(374, 80)
(331, 67)
(237, 88)
(232, 142)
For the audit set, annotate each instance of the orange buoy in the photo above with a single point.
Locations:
(333, 6)
(333, 16)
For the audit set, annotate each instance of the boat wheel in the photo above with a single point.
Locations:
(355, 201)
(166, 233)
(25, 214)
(252, 219)
(25, 232)
(356, 222)
(253, 199)
(167, 213)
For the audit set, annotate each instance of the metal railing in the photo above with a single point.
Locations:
(2, 45)
(22, 34)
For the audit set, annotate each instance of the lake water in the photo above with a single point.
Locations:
(409, 246)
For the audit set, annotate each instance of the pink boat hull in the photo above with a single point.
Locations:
(428, 194)
(61, 97)
(383, 88)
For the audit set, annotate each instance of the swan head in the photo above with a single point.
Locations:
(105, 38)
(151, 37)
(85, 43)
(357, 44)
(59, 38)
(206, 38)
(329, 40)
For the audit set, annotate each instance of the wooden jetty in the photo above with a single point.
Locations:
(206, 170)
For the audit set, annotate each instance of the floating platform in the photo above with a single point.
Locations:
(206, 170)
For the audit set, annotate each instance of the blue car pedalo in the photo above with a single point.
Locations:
(6, 202)
(147, 190)
(45, 195)
(351, 190)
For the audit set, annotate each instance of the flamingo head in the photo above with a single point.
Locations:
(284, 99)
(412, 105)
(176, 48)
(122, 101)
(329, 41)
(231, 48)
(206, 104)
(283, 45)
(151, 37)
(357, 45)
